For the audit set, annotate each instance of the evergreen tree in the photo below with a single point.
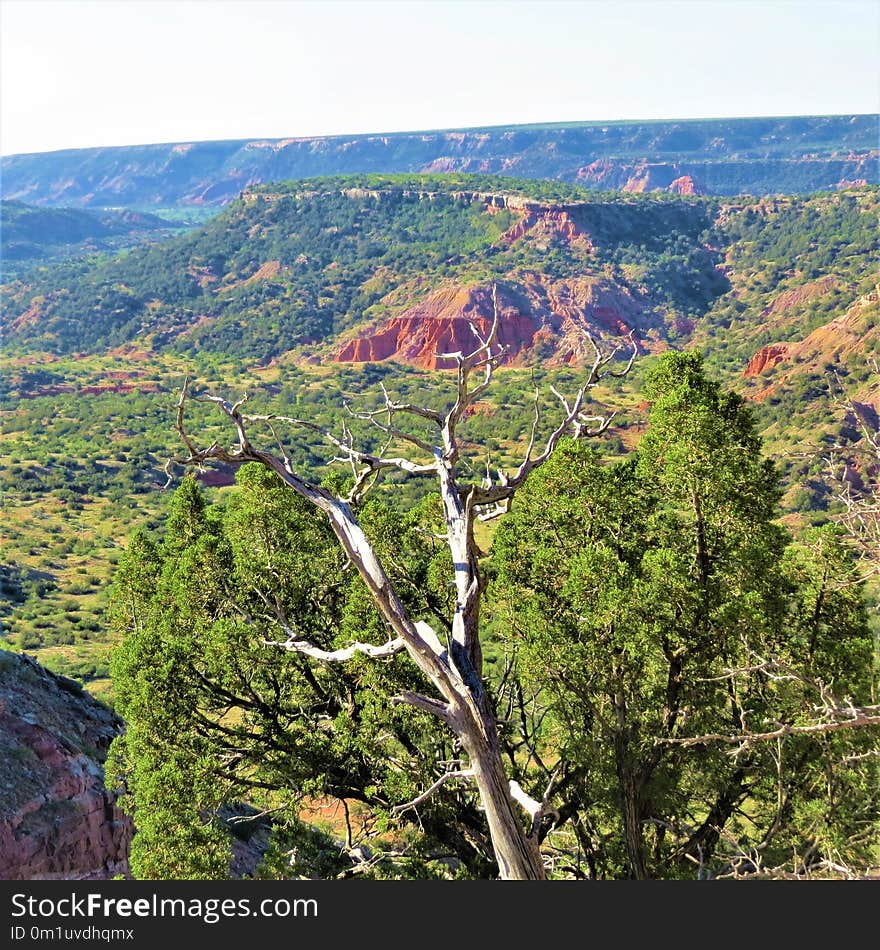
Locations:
(633, 598)
(217, 718)
(661, 622)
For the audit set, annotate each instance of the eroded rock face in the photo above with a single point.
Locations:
(726, 156)
(544, 225)
(57, 819)
(539, 319)
(766, 358)
(639, 177)
(685, 185)
(852, 334)
(442, 324)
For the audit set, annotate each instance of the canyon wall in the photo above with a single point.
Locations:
(795, 154)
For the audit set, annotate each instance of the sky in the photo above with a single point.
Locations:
(83, 73)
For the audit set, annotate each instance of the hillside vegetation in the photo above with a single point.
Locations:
(31, 236)
(301, 263)
(309, 293)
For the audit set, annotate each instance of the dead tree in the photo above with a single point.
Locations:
(453, 663)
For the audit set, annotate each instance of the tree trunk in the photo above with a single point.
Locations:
(517, 854)
(632, 829)
(629, 786)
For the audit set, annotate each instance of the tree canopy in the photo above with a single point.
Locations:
(656, 601)
(664, 647)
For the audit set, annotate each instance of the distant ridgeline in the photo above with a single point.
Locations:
(30, 235)
(791, 155)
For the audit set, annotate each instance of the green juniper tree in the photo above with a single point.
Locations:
(654, 603)
(679, 678)
(216, 717)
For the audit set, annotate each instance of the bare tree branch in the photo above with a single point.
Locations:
(832, 713)
(532, 808)
(573, 419)
(307, 648)
(444, 778)
(856, 717)
(425, 703)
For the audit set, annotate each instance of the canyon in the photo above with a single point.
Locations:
(292, 292)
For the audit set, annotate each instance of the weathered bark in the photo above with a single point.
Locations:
(629, 789)
(517, 853)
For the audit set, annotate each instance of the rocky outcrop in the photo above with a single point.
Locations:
(443, 324)
(265, 271)
(540, 319)
(685, 185)
(29, 317)
(766, 358)
(854, 334)
(57, 818)
(544, 225)
(638, 177)
(651, 176)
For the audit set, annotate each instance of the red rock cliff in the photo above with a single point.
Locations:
(540, 318)
(442, 324)
(684, 186)
(637, 177)
(542, 226)
(57, 820)
(766, 358)
(851, 336)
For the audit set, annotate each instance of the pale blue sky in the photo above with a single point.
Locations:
(78, 73)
